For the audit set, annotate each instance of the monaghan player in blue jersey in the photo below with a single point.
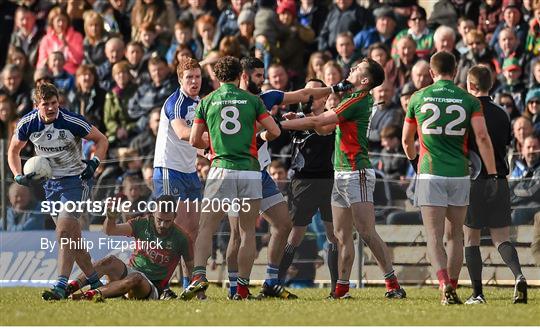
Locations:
(273, 205)
(56, 134)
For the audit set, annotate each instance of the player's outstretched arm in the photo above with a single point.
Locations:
(196, 137)
(111, 228)
(14, 155)
(302, 95)
(483, 141)
(319, 122)
(101, 142)
(272, 129)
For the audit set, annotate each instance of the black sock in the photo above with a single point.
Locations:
(474, 265)
(510, 257)
(333, 264)
(286, 261)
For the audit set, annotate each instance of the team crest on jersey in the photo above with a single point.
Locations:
(36, 135)
(190, 115)
(62, 134)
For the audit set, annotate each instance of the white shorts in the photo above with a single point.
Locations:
(154, 294)
(227, 184)
(440, 191)
(352, 187)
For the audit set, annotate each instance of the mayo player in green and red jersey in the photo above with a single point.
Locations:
(442, 114)
(354, 179)
(160, 246)
(230, 115)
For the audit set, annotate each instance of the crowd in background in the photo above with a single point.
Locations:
(114, 62)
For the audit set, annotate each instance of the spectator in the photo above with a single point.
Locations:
(418, 32)
(532, 109)
(535, 75)
(406, 93)
(381, 54)
(512, 82)
(477, 51)
(88, 98)
(152, 93)
(278, 78)
(512, 19)
(158, 13)
(61, 36)
(315, 65)
(384, 30)
(183, 35)
(489, 17)
(532, 42)
(62, 80)
(23, 215)
(133, 188)
(393, 162)
(345, 15)
(199, 8)
(26, 34)
(406, 51)
(148, 176)
(246, 29)
(206, 29)
(148, 34)
(227, 23)
(522, 128)
(134, 55)
(95, 39)
(447, 12)
(526, 192)
(145, 142)
(506, 101)
(8, 118)
(508, 47)
(420, 76)
(120, 127)
(346, 52)
(385, 113)
(444, 39)
(14, 86)
(312, 14)
(278, 172)
(117, 18)
(114, 52)
(292, 50)
(267, 23)
(465, 25)
(17, 57)
(332, 73)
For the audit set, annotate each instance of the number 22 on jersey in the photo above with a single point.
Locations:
(431, 127)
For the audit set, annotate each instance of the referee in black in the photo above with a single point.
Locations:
(493, 214)
(311, 186)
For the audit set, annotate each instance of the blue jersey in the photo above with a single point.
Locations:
(172, 152)
(58, 141)
(270, 98)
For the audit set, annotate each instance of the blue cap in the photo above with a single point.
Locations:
(532, 94)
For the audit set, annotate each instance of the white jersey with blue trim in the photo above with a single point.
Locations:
(270, 98)
(58, 141)
(172, 152)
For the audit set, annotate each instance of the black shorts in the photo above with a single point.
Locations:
(494, 214)
(306, 196)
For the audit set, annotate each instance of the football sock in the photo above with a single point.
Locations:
(61, 283)
(391, 281)
(342, 287)
(243, 289)
(77, 284)
(199, 272)
(233, 283)
(510, 257)
(333, 264)
(473, 258)
(454, 283)
(185, 281)
(93, 280)
(286, 261)
(272, 272)
(443, 277)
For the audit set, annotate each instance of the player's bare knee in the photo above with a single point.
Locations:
(134, 280)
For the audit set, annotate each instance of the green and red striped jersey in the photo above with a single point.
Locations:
(231, 115)
(442, 113)
(351, 146)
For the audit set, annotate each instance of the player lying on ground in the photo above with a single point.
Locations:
(443, 115)
(151, 265)
(483, 212)
(273, 205)
(230, 115)
(56, 134)
(354, 179)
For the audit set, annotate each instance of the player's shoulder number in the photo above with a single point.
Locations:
(430, 127)
(230, 124)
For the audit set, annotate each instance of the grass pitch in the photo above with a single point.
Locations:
(23, 306)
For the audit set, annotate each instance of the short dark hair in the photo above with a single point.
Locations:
(249, 64)
(391, 131)
(480, 76)
(317, 80)
(44, 91)
(227, 69)
(443, 63)
(375, 72)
